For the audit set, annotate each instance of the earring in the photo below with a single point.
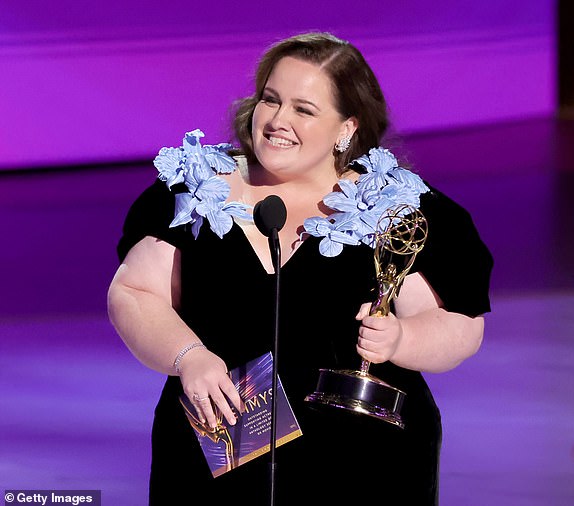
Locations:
(343, 144)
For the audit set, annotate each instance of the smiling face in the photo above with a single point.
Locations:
(295, 124)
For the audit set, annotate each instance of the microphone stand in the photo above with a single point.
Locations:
(275, 248)
(269, 216)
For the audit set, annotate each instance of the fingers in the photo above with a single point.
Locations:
(222, 402)
(364, 311)
(199, 403)
(379, 338)
(209, 412)
(208, 386)
(229, 390)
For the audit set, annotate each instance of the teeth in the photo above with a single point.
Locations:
(280, 142)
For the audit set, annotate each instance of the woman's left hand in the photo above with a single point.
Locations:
(379, 337)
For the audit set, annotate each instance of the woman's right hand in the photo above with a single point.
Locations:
(206, 383)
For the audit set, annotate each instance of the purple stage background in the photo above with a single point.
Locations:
(94, 89)
(95, 82)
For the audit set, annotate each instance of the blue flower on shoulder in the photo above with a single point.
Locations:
(198, 167)
(360, 205)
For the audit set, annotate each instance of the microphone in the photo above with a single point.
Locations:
(269, 213)
(269, 216)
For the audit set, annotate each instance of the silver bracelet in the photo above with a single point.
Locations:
(182, 353)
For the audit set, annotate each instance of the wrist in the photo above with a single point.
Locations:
(183, 352)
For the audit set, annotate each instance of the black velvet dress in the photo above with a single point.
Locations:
(228, 299)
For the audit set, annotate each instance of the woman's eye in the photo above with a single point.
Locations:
(303, 110)
(268, 99)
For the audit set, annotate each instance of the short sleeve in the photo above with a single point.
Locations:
(150, 215)
(454, 260)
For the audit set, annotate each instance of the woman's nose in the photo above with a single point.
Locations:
(280, 119)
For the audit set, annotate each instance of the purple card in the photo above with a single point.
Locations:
(229, 446)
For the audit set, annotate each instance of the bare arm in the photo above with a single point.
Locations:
(143, 298)
(421, 335)
(142, 302)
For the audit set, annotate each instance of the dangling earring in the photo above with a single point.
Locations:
(343, 144)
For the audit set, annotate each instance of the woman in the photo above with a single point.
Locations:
(193, 297)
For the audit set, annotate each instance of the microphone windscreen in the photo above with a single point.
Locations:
(270, 213)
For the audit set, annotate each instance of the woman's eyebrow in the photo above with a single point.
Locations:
(271, 90)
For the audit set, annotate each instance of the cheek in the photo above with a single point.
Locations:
(258, 119)
(257, 124)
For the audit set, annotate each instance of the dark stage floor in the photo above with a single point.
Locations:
(77, 407)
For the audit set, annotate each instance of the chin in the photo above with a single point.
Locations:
(273, 162)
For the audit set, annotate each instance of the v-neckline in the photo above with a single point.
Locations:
(261, 263)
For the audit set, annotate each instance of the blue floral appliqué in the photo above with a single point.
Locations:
(197, 167)
(360, 205)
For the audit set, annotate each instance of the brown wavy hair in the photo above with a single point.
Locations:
(356, 89)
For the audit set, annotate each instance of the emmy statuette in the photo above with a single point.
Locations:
(401, 231)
